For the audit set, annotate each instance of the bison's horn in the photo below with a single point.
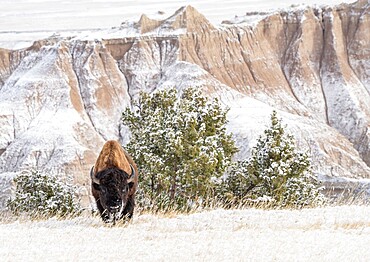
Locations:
(93, 178)
(131, 179)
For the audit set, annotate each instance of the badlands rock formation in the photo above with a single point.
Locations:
(61, 98)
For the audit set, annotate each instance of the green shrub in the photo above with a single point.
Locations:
(38, 194)
(180, 145)
(276, 172)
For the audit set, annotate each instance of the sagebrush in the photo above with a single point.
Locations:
(39, 194)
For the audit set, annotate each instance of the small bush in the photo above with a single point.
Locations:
(38, 194)
(276, 172)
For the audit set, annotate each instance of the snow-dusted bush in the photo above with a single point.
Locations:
(276, 171)
(39, 194)
(180, 145)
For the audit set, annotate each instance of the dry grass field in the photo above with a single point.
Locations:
(340, 233)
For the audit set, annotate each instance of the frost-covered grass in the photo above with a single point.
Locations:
(340, 233)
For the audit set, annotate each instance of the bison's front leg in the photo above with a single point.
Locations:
(129, 209)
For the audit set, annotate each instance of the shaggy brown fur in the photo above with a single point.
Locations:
(113, 160)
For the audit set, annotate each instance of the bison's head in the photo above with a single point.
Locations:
(113, 186)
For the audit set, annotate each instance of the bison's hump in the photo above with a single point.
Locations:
(112, 155)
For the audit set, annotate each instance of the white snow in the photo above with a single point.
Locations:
(322, 234)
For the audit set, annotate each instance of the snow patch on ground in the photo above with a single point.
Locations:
(321, 234)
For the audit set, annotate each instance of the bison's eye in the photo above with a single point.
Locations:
(96, 186)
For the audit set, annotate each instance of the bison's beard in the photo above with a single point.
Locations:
(113, 216)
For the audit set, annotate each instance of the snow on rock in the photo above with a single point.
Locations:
(348, 99)
(6, 187)
(146, 61)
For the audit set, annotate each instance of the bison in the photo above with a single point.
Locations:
(114, 180)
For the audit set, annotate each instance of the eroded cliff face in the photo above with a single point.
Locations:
(312, 62)
(61, 98)
(58, 107)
